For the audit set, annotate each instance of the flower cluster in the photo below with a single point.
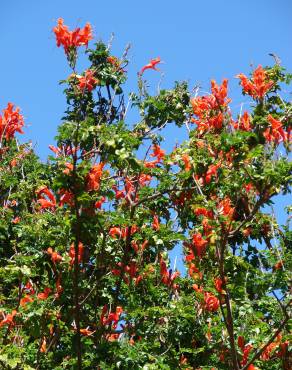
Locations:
(11, 122)
(72, 39)
(210, 109)
(258, 86)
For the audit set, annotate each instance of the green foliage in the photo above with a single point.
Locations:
(86, 280)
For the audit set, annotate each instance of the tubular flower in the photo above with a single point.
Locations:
(55, 257)
(11, 122)
(243, 123)
(26, 299)
(220, 92)
(43, 348)
(224, 208)
(158, 153)
(151, 65)
(45, 294)
(212, 171)
(155, 223)
(209, 109)
(199, 243)
(258, 86)
(71, 39)
(186, 159)
(94, 177)
(8, 319)
(88, 81)
(211, 302)
(87, 332)
(66, 197)
(275, 132)
(72, 253)
(44, 202)
(107, 318)
(167, 277)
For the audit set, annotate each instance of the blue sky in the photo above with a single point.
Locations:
(198, 40)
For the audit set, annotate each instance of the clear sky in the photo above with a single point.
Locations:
(197, 40)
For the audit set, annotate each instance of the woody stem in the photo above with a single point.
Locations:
(228, 319)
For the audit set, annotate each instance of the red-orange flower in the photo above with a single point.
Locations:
(107, 318)
(211, 302)
(220, 92)
(72, 253)
(158, 152)
(69, 39)
(258, 86)
(50, 201)
(151, 65)
(11, 122)
(218, 285)
(55, 257)
(8, 319)
(88, 81)
(94, 177)
(186, 159)
(86, 332)
(243, 123)
(43, 348)
(199, 243)
(275, 132)
(155, 223)
(45, 294)
(26, 299)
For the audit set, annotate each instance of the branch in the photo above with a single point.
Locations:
(260, 351)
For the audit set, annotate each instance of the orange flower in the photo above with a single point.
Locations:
(211, 302)
(218, 285)
(87, 332)
(224, 208)
(11, 122)
(220, 92)
(258, 86)
(198, 289)
(88, 81)
(201, 211)
(72, 253)
(59, 287)
(212, 171)
(43, 348)
(246, 349)
(243, 123)
(26, 299)
(16, 220)
(66, 197)
(278, 266)
(55, 257)
(8, 319)
(276, 132)
(158, 152)
(155, 223)
(94, 177)
(72, 39)
(187, 162)
(46, 203)
(110, 317)
(151, 65)
(199, 243)
(45, 294)
(194, 272)
(99, 203)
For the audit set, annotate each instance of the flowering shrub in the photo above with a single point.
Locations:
(86, 279)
